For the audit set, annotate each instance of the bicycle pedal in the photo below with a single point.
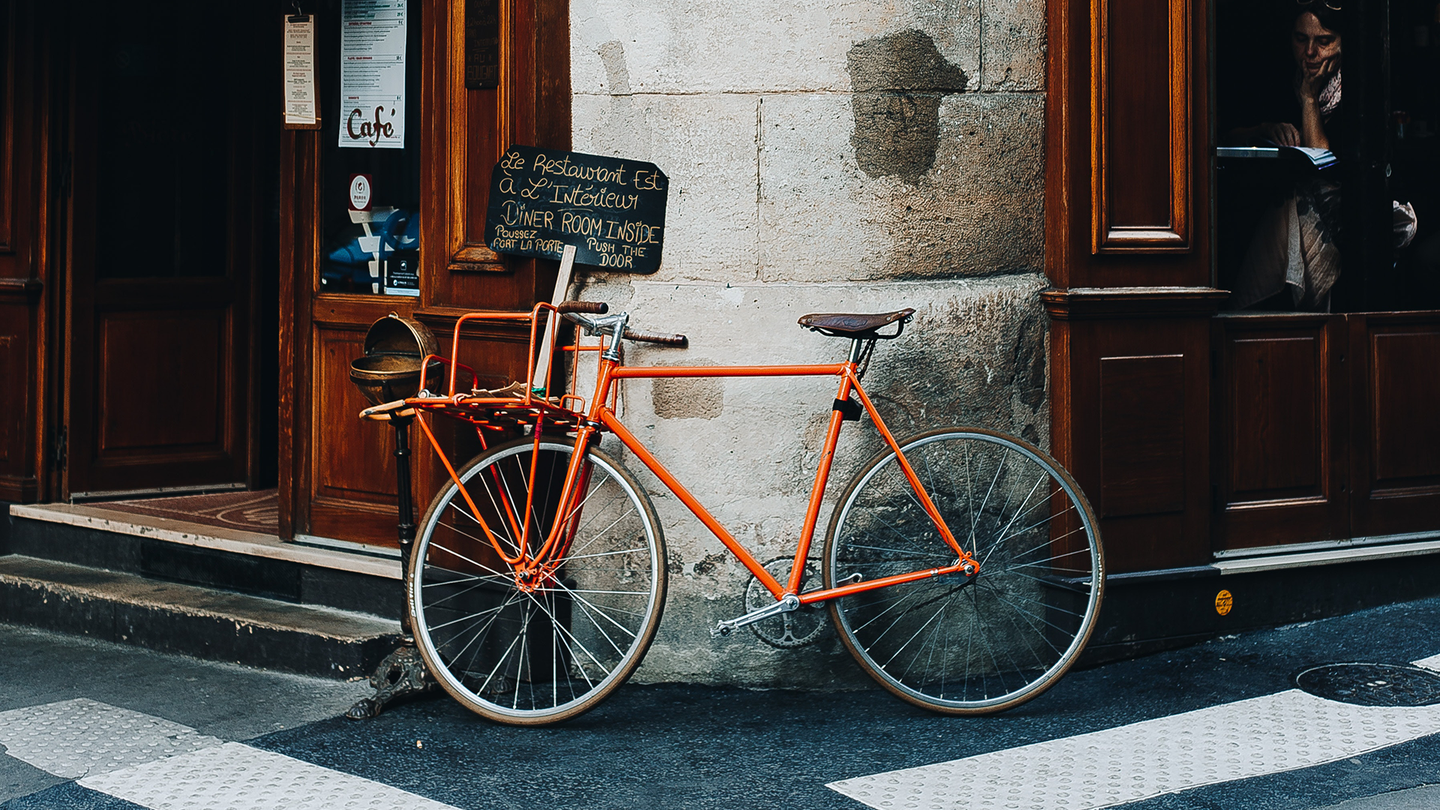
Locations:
(721, 630)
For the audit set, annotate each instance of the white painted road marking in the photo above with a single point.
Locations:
(1255, 737)
(162, 765)
(81, 737)
(238, 777)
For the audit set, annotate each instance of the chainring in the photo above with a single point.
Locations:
(796, 628)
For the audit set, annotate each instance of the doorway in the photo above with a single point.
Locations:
(170, 238)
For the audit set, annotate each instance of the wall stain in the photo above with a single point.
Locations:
(899, 81)
(708, 564)
(617, 73)
(687, 398)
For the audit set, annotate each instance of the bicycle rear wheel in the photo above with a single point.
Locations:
(952, 644)
(538, 652)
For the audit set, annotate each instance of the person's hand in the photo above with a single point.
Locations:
(1313, 81)
(1281, 133)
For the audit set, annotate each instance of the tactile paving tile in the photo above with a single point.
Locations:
(80, 737)
(1271, 734)
(238, 777)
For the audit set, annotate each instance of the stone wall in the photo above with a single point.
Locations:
(823, 156)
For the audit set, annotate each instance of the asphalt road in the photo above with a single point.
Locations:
(673, 746)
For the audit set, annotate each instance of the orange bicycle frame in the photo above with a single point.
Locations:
(601, 415)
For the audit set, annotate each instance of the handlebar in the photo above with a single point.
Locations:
(615, 324)
(678, 341)
(592, 307)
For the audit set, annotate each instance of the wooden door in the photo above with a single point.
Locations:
(160, 248)
(338, 474)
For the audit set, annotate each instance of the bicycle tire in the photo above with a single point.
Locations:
(553, 650)
(950, 644)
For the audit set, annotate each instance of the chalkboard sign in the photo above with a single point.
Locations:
(612, 210)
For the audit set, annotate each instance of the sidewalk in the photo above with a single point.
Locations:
(674, 746)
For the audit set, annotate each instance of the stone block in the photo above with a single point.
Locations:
(707, 46)
(1013, 46)
(706, 145)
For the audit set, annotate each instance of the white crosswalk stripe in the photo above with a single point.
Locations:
(240, 777)
(162, 765)
(1271, 734)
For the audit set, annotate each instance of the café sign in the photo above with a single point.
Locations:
(372, 74)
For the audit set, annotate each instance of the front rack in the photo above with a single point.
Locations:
(509, 408)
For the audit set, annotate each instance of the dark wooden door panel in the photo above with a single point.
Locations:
(1396, 379)
(160, 386)
(1280, 460)
(1275, 405)
(1142, 425)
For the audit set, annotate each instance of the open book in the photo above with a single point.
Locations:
(1318, 158)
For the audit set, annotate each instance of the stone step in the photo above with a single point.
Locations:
(190, 620)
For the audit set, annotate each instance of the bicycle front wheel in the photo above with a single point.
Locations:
(534, 651)
(948, 643)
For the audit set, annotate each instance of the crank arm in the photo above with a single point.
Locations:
(788, 604)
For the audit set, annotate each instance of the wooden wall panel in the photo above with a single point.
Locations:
(149, 372)
(7, 125)
(1404, 385)
(1140, 126)
(1130, 391)
(1275, 404)
(1142, 429)
(1127, 144)
(1281, 417)
(1395, 469)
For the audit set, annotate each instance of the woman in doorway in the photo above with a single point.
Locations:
(1293, 260)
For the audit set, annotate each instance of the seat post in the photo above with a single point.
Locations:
(856, 346)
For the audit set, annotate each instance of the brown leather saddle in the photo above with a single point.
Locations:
(856, 326)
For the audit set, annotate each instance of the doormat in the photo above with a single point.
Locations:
(247, 511)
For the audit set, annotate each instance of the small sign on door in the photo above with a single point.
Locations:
(360, 192)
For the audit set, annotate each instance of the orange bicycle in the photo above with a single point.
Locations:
(961, 567)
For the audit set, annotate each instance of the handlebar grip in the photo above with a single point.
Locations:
(678, 341)
(592, 307)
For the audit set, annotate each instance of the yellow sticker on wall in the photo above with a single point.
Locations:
(1223, 602)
